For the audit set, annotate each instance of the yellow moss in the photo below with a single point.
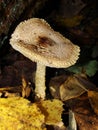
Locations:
(52, 109)
(19, 114)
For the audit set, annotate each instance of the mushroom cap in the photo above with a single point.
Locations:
(36, 40)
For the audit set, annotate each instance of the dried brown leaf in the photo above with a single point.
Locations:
(10, 91)
(26, 88)
(85, 117)
(93, 97)
(55, 84)
(66, 88)
(71, 88)
(86, 122)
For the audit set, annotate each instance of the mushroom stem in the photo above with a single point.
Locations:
(40, 81)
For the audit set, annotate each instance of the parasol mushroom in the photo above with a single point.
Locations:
(36, 40)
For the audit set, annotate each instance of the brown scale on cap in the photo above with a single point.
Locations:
(45, 42)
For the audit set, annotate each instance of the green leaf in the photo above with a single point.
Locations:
(90, 68)
(75, 69)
